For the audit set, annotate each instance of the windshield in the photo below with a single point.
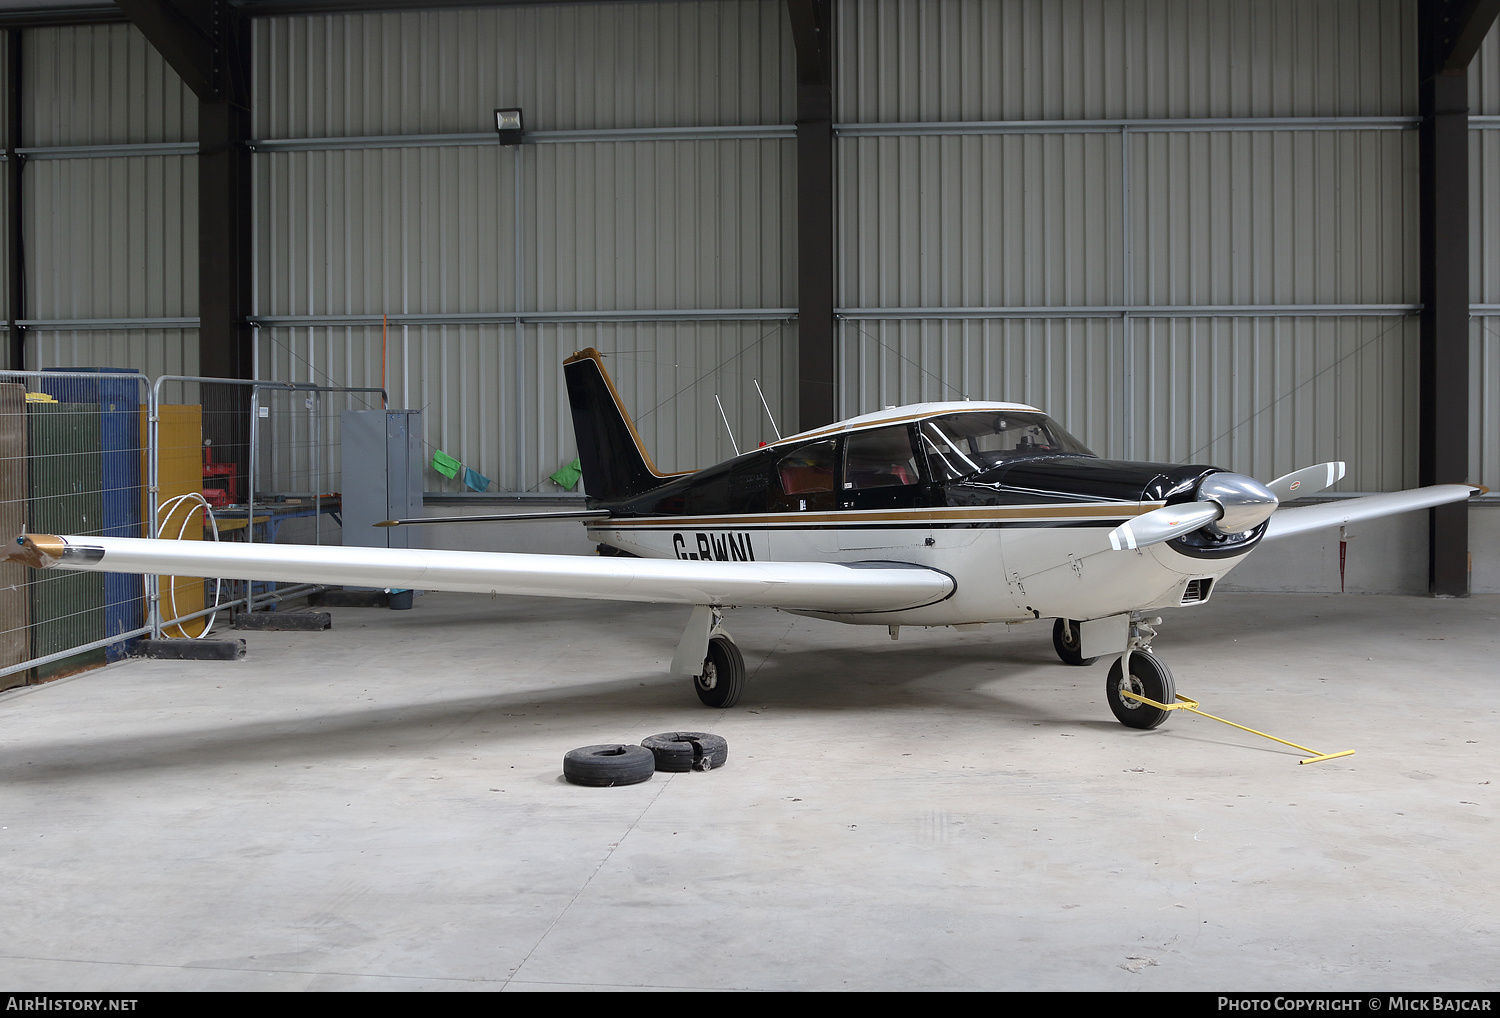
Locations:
(961, 444)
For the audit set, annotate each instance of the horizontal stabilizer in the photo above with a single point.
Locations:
(1287, 522)
(794, 586)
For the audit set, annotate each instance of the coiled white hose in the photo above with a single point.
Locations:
(168, 508)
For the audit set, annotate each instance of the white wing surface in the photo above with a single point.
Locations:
(1287, 522)
(796, 586)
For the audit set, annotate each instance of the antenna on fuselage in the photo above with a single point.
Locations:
(726, 424)
(768, 409)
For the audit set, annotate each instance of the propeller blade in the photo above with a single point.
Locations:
(1307, 481)
(1163, 524)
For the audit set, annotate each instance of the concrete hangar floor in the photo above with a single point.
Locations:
(380, 806)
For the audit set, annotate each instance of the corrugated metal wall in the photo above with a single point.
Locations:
(111, 237)
(635, 226)
(584, 66)
(1066, 262)
(101, 85)
(981, 220)
(7, 358)
(492, 395)
(462, 237)
(1220, 277)
(1484, 263)
(1063, 364)
(111, 203)
(152, 351)
(965, 60)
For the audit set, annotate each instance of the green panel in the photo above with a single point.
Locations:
(15, 602)
(66, 479)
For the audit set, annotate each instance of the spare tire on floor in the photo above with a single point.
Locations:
(614, 764)
(687, 751)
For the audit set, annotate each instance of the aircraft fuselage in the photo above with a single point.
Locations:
(1024, 535)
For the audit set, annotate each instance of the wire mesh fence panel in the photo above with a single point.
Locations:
(72, 462)
(245, 461)
(93, 453)
(297, 464)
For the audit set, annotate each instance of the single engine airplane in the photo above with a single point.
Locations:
(935, 514)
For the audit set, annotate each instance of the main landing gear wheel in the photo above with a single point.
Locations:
(1065, 640)
(723, 677)
(1149, 678)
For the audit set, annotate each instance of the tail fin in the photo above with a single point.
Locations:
(615, 463)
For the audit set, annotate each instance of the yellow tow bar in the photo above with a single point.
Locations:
(1192, 705)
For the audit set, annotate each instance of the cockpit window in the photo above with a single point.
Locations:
(808, 468)
(880, 458)
(958, 445)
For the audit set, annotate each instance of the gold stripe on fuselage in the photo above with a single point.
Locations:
(864, 517)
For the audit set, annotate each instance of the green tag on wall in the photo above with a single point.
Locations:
(445, 464)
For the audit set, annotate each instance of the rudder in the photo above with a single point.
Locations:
(615, 462)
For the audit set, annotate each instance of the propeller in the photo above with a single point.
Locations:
(1163, 524)
(1307, 481)
(1227, 504)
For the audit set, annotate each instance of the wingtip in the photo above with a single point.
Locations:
(35, 550)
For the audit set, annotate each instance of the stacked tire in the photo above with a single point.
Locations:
(687, 751)
(611, 764)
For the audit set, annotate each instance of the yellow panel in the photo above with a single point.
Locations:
(180, 472)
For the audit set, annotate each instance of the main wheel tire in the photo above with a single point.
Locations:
(687, 751)
(723, 677)
(604, 766)
(1068, 644)
(1149, 678)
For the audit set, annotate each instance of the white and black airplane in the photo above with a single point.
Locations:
(936, 514)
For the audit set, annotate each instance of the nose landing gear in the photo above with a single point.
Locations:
(1139, 671)
(1146, 677)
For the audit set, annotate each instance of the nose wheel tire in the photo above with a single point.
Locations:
(1067, 643)
(1149, 678)
(723, 677)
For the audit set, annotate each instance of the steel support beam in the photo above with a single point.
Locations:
(15, 309)
(54, 17)
(817, 395)
(1448, 33)
(224, 241)
(1460, 28)
(208, 43)
(181, 35)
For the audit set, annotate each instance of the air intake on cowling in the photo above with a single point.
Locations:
(1197, 590)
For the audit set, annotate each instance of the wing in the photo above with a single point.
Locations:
(1286, 522)
(795, 586)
